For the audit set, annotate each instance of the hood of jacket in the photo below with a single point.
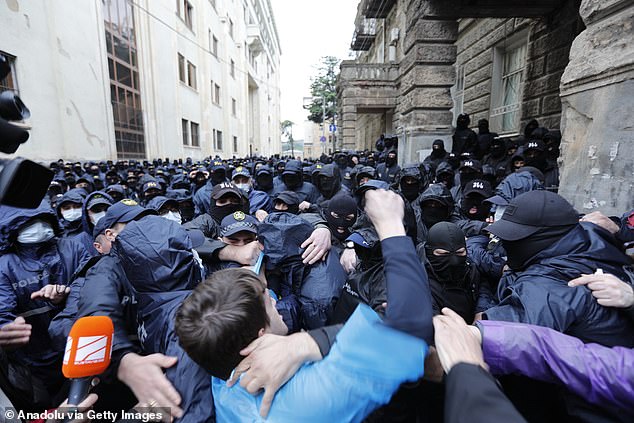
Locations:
(75, 195)
(330, 171)
(13, 218)
(518, 183)
(156, 255)
(439, 193)
(282, 235)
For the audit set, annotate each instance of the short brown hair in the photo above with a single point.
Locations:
(222, 316)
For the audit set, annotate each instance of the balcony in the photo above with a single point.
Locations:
(377, 8)
(364, 34)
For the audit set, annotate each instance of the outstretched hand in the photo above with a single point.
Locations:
(457, 342)
(609, 290)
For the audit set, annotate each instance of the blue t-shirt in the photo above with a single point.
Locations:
(366, 365)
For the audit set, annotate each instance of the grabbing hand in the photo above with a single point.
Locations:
(144, 375)
(81, 409)
(261, 215)
(56, 294)
(456, 342)
(385, 209)
(246, 254)
(270, 361)
(304, 205)
(601, 220)
(609, 290)
(317, 246)
(15, 334)
(348, 260)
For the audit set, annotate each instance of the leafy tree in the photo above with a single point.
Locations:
(324, 86)
(287, 131)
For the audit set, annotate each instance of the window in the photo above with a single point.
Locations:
(507, 86)
(191, 75)
(9, 82)
(195, 137)
(216, 97)
(214, 46)
(232, 69)
(218, 140)
(185, 127)
(235, 144)
(458, 93)
(234, 107)
(230, 28)
(185, 10)
(125, 90)
(181, 68)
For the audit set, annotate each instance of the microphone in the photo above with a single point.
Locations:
(87, 354)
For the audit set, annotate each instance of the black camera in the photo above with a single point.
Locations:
(23, 183)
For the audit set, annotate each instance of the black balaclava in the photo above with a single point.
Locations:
(342, 205)
(218, 176)
(538, 161)
(483, 126)
(264, 181)
(390, 160)
(553, 141)
(292, 208)
(433, 215)
(498, 149)
(520, 252)
(446, 178)
(187, 210)
(292, 180)
(450, 269)
(326, 185)
(474, 207)
(438, 149)
(410, 190)
(220, 212)
(463, 120)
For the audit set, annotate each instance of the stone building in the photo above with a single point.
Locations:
(567, 63)
(142, 79)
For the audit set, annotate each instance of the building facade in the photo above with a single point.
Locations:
(145, 79)
(567, 63)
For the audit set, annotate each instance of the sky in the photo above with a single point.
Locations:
(308, 30)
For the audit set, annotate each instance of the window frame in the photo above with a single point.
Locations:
(185, 131)
(194, 130)
(235, 144)
(10, 82)
(191, 80)
(182, 69)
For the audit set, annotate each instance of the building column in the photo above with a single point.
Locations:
(348, 126)
(596, 90)
(427, 74)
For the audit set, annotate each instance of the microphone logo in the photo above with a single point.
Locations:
(91, 349)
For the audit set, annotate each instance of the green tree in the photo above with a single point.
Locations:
(324, 87)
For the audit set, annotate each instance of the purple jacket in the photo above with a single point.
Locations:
(601, 375)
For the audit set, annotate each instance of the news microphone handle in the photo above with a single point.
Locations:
(79, 389)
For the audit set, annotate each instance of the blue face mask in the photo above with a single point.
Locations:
(35, 233)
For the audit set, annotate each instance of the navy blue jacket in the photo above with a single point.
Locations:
(202, 199)
(25, 270)
(156, 257)
(306, 190)
(540, 294)
(259, 200)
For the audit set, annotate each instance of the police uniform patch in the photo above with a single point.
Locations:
(129, 202)
(239, 216)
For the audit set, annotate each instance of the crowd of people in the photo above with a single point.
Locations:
(346, 288)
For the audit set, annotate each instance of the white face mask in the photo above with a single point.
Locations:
(35, 233)
(244, 187)
(95, 217)
(499, 211)
(173, 216)
(72, 215)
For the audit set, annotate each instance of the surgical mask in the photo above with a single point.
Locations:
(36, 233)
(95, 217)
(244, 187)
(72, 215)
(173, 216)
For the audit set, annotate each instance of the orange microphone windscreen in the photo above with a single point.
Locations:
(88, 347)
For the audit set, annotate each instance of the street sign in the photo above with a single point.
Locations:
(322, 139)
(333, 127)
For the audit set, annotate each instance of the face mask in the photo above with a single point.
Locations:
(539, 162)
(433, 215)
(72, 215)
(342, 207)
(410, 191)
(450, 269)
(173, 216)
(467, 177)
(187, 212)
(244, 187)
(220, 212)
(218, 177)
(36, 233)
(95, 217)
(475, 209)
(519, 253)
(292, 181)
(497, 151)
(390, 161)
(326, 185)
(446, 179)
(265, 182)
